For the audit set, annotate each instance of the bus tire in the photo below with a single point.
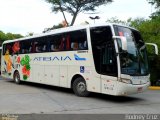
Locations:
(17, 77)
(80, 88)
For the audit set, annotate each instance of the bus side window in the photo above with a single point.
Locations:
(4, 49)
(78, 40)
(103, 49)
(32, 47)
(44, 48)
(68, 40)
(25, 46)
(62, 44)
(83, 45)
(8, 49)
(52, 47)
(74, 45)
(48, 46)
(38, 48)
(55, 43)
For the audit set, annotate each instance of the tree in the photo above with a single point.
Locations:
(157, 6)
(52, 28)
(116, 20)
(2, 36)
(150, 30)
(136, 23)
(17, 36)
(155, 2)
(74, 7)
(30, 34)
(9, 36)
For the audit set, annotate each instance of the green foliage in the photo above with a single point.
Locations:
(116, 20)
(74, 7)
(154, 68)
(156, 3)
(8, 36)
(11, 36)
(30, 34)
(3, 36)
(52, 28)
(150, 30)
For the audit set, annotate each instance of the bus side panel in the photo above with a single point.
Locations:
(38, 73)
(109, 84)
(92, 79)
(63, 76)
(51, 75)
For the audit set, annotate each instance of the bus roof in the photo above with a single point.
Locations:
(66, 29)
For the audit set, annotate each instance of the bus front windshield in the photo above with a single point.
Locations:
(133, 61)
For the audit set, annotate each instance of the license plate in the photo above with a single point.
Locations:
(140, 89)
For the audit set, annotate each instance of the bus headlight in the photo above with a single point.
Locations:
(128, 81)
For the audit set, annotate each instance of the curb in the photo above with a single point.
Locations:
(154, 88)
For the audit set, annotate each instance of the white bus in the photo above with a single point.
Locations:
(105, 58)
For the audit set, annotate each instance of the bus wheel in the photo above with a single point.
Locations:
(16, 77)
(80, 88)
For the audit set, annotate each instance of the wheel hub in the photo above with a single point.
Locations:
(81, 87)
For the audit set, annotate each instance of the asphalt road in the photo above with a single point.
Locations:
(29, 98)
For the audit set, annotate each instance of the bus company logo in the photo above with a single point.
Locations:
(55, 58)
(59, 58)
(79, 58)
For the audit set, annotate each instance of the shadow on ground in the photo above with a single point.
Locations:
(98, 96)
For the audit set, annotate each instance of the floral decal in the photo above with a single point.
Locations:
(8, 62)
(25, 62)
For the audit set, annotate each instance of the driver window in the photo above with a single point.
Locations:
(104, 51)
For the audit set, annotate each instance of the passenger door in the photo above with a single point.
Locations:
(108, 69)
(105, 58)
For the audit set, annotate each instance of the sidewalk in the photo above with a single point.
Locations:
(154, 87)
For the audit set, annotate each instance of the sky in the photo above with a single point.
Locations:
(26, 16)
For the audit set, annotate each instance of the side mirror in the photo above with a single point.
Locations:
(122, 42)
(155, 47)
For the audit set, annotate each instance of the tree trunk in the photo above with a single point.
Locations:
(74, 18)
(65, 17)
(63, 14)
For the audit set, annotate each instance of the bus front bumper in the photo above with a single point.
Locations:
(127, 89)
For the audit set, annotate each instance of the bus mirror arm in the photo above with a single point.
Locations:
(155, 47)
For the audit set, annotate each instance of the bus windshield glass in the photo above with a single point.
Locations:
(133, 61)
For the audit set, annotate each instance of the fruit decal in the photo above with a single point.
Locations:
(18, 59)
(25, 62)
(8, 62)
(13, 61)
